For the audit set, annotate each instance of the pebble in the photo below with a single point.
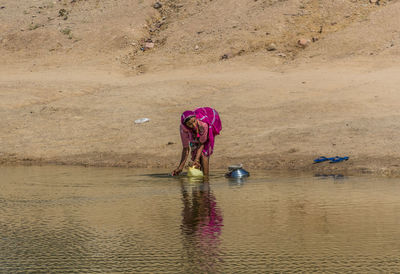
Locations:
(225, 56)
(149, 45)
(303, 42)
(157, 5)
(271, 47)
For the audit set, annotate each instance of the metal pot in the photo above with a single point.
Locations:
(237, 171)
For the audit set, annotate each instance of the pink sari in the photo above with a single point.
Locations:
(209, 116)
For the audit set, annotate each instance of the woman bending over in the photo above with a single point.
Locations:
(198, 130)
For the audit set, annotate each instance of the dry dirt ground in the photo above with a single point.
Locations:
(74, 75)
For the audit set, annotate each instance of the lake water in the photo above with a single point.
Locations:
(73, 219)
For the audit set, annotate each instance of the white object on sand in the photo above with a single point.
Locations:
(142, 120)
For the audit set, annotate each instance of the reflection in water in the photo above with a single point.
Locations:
(236, 182)
(201, 226)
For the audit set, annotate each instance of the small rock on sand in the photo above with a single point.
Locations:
(225, 56)
(271, 47)
(149, 45)
(303, 42)
(157, 5)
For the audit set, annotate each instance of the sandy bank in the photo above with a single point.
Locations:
(280, 119)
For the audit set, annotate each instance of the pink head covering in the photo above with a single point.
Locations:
(185, 115)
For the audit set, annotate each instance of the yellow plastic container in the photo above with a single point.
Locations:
(194, 172)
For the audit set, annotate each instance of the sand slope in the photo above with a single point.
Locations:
(72, 97)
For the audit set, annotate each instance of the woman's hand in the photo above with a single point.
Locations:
(197, 164)
(176, 172)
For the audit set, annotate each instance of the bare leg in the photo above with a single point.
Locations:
(205, 164)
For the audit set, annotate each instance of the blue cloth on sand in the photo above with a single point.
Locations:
(331, 160)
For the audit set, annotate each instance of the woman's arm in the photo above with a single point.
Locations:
(185, 154)
(184, 157)
(198, 155)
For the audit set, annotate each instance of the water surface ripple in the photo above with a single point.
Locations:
(72, 219)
